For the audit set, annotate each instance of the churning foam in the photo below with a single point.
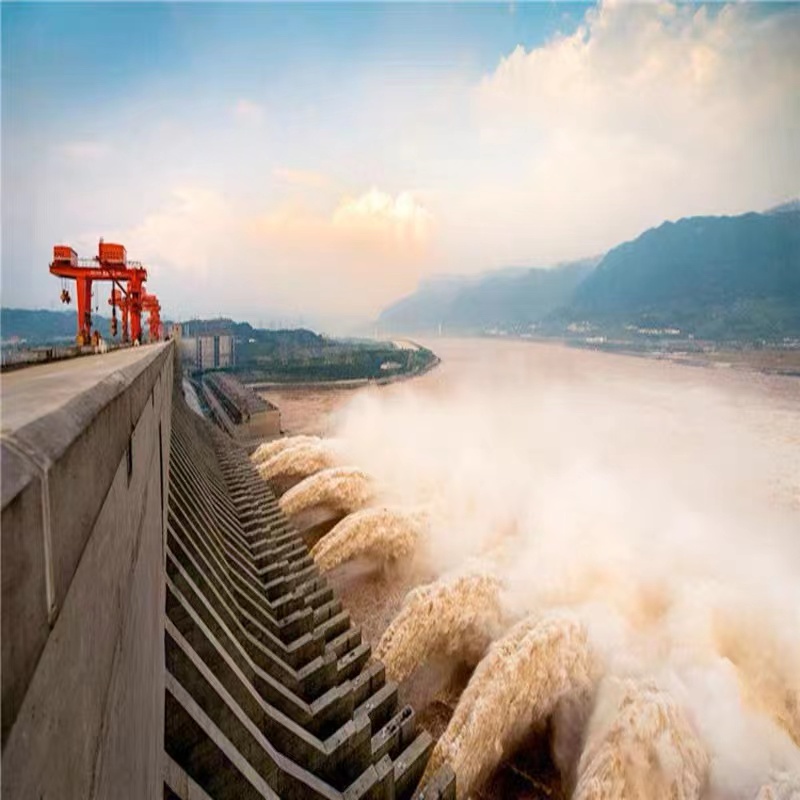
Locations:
(382, 534)
(653, 502)
(456, 616)
(343, 489)
(266, 451)
(515, 687)
(767, 663)
(781, 787)
(640, 746)
(298, 461)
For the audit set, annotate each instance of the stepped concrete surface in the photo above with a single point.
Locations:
(165, 632)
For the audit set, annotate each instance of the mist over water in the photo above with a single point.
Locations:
(654, 506)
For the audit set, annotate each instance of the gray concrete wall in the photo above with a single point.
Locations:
(262, 424)
(85, 458)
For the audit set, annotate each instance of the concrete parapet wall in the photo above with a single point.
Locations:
(85, 459)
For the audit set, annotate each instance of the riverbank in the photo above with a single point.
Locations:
(766, 359)
(356, 383)
(783, 361)
(310, 408)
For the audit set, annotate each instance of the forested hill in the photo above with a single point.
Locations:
(515, 297)
(715, 276)
(709, 277)
(39, 326)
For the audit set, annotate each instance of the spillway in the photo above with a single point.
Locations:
(166, 632)
(294, 686)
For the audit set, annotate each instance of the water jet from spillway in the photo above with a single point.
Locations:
(342, 489)
(767, 663)
(299, 461)
(781, 787)
(517, 685)
(646, 498)
(457, 615)
(268, 450)
(640, 746)
(382, 534)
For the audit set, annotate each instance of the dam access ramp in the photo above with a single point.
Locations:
(165, 632)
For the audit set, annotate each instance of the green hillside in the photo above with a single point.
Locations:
(715, 277)
(718, 278)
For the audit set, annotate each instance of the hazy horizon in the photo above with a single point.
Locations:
(315, 162)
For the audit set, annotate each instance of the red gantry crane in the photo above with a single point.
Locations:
(150, 304)
(153, 308)
(119, 300)
(110, 264)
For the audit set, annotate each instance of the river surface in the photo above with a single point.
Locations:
(758, 405)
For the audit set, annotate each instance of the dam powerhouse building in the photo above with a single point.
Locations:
(165, 633)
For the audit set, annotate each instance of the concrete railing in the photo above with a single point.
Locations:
(85, 459)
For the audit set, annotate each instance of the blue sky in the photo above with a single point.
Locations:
(252, 150)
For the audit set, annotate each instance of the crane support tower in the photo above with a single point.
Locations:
(110, 264)
(150, 304)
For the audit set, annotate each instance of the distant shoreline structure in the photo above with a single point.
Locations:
(772, 359)
(355, 383)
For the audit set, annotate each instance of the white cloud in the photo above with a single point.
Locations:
(83, 150)
(207, 252)
(303, 178)
(187, 234)
(248, 110)
(352, 258)
(402, 218)
(646, 112)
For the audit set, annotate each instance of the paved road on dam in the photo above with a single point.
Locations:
(34, 392)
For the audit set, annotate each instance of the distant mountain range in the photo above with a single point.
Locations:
(504, 298)
(39, 326)
(709, 277)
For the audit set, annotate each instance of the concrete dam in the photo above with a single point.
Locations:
(165, 631)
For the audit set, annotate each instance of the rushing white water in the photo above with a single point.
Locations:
(640, 746)
(268, 450)
(782, 787)
(456, 616)
(517, 686)
(343, 489)
(298, 461)
(767, 664)
(658, 504)
(382, 534)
